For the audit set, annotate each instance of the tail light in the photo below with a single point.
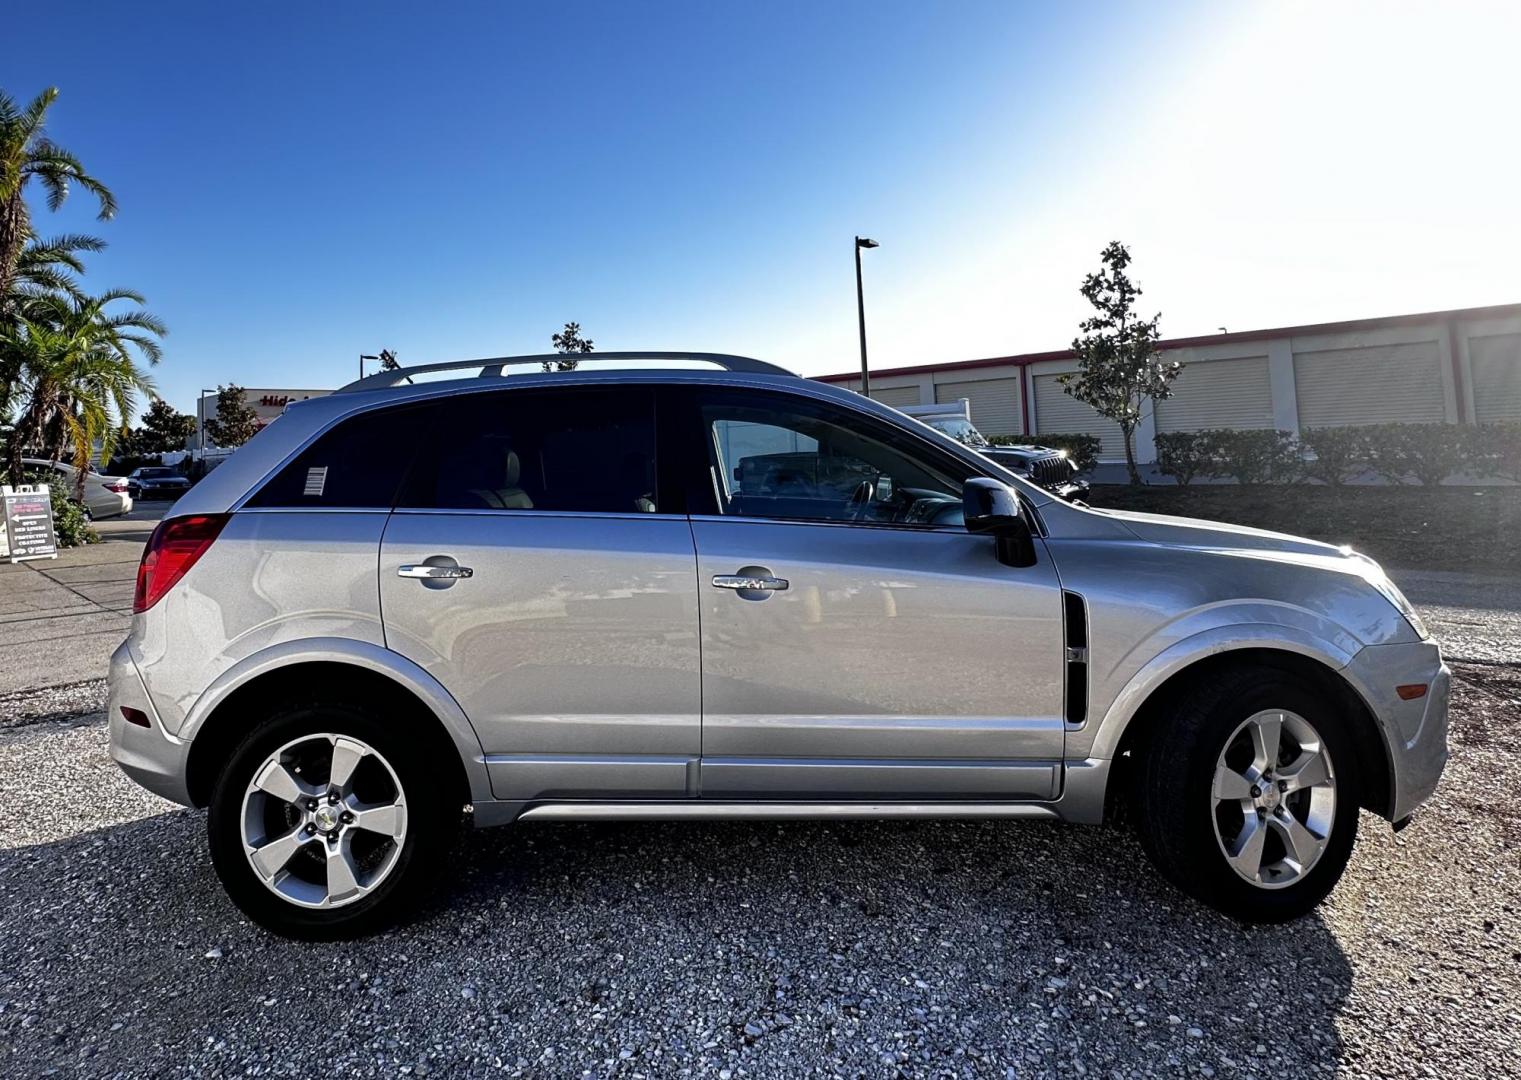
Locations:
(117, 486)
(172, 550)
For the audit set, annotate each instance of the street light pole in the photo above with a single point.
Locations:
(362, 358)
(862, 242)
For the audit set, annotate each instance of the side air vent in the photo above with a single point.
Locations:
(1075, 614)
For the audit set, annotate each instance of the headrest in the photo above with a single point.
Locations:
(514, 470)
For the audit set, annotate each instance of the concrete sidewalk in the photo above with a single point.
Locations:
(60, 619)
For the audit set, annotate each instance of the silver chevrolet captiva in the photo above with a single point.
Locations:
(702, 587)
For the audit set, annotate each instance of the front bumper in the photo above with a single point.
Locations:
(149, 755)
(1415, 732)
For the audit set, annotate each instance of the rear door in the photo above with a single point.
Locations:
(537, 569)
(858, 642)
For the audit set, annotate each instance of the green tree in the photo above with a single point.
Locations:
(235, 422)
(569, 343)
(76, 375)
(1119, 367)
(164, 429)
(44, 279)
(27, 154)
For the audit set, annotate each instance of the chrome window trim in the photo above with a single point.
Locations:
(492, 511)
(895, 526)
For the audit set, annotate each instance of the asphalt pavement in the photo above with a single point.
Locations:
(748, 949)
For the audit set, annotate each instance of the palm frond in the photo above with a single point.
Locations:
(55, 167)
(29, 122)
(110, 296)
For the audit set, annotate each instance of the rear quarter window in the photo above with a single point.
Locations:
(358, 464)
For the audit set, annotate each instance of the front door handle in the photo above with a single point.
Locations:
(435, 573)
(751, 583)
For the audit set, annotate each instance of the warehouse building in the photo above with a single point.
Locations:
(1456, 367)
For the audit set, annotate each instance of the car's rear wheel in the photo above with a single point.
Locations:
(1247, 795)
(328, 823)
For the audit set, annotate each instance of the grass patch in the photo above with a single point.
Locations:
(1446, 528)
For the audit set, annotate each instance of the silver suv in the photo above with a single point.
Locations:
(726, 591)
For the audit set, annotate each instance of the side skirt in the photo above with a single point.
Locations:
(709, 811)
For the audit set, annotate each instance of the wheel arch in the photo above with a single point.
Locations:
(1373, 761)
(220, 719)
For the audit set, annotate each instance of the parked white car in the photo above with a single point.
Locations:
(104, 496)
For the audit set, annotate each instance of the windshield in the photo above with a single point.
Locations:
(958, 428)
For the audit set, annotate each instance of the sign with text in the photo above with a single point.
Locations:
(29, 522)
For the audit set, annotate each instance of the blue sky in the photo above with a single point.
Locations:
(300, 183)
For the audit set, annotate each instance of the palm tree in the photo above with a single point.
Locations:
(26, 154)
(75, 375)
(46, 268)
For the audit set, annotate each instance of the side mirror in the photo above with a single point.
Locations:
(991, 508)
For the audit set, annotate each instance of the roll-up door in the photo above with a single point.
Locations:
(1058, 413)
(995, 403)
(1372, 385)
(1219, 394)
(896, 396)
(1495, 363)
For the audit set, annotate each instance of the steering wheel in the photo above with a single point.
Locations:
(860, 502)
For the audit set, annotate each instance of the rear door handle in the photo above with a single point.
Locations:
(749, 582)
(435, 573)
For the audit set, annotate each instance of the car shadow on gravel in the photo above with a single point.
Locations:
(1002, 945)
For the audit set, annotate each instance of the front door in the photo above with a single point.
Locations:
(530, 568)
(857, 642)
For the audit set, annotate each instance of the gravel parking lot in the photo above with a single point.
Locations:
(852, 949)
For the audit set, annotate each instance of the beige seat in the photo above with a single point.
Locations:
(509, 496)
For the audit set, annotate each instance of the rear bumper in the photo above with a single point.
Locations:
(1415, 732)
(149, 755)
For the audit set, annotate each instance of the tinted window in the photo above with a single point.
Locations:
(589, 450)
(358, 463)
(776, 457)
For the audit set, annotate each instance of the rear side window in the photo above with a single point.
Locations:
(359, 463)
(576, 450)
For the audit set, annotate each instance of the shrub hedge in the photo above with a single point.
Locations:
(1425, 454)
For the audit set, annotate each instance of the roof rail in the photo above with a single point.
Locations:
(492, 366)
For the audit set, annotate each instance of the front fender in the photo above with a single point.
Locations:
(359, 654)
(1189, 650)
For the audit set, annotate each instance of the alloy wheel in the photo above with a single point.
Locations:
(323, 820)
(1274, 798)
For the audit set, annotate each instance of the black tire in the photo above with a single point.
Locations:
(1173, 810)
(432, 824)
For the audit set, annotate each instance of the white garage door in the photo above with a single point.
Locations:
(995, 403)
(1373, 385)
(1057, 413)
(1496, 366)
(896, 396)
(1219, 394)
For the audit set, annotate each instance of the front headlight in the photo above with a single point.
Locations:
(1374, 575)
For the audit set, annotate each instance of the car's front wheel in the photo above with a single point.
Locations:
(1247, 795)
(328, 823)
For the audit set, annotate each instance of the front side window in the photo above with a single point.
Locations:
(570, 451)
(783, 458)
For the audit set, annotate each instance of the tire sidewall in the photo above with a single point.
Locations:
(426, 842)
